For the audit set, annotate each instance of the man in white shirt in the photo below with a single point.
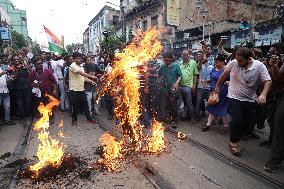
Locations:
(77, 78)
(4, 96)
(245, 75)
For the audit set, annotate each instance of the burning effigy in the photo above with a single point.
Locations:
(122, 83)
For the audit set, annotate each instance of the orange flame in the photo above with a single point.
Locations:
(111, 151)
(156, 143)
(50, 151)
(123, 84)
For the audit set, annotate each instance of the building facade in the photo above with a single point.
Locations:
(86, 40)
(18, 17)
(215, 18)
(103, 21)
(145, 14)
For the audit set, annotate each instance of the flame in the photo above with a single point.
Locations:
(123, 84)
(181, 135)
(111, 151)
(50, 151)
(156, 143)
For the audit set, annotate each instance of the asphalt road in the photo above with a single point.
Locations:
(183, 165)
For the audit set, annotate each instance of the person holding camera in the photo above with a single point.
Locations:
(21, 88)
(245, 75)
(5, 97)
(276, 115)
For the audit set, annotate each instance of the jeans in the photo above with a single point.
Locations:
(154, 101)
(186, 96)
(278, 139)
(91, 97)
(23, 102)
(241, 118)
(5, 101)
(202, 94)
(64, 104)
(79, 97)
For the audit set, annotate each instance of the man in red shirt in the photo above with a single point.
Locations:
(43, 82)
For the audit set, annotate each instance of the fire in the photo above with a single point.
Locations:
(123, 84)
(181, 135)
(50, 151)
(111, 151)
(156, 143)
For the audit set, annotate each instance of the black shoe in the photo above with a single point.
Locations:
(265, 144)
(205, 128)
(253, 135)
(9, 123)
(272, 165)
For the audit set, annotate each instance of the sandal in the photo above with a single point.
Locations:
(224, 130)
(235, 150)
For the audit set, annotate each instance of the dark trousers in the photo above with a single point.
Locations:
(259, 118)
(79, 98)
(270, 108)
(278, 138)
(241, 118)
(169, 106)
(109, 104)
(23, 102)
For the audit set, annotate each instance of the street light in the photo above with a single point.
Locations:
(200, 5)
(211, 25)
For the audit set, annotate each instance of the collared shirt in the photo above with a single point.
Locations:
(76, 81)
(188, 72)
(3, 83)
(204, 75)
(244, 82)
(46, 78)
(169, 75)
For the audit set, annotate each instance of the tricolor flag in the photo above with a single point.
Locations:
(54, 43)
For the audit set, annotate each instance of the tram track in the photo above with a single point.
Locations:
(230, 161)
(144, 167)
(19, 153)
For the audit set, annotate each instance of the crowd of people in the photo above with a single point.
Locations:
(226, 87)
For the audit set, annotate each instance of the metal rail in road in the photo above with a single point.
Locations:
(230, 161)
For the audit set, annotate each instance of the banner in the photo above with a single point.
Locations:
(173, 12)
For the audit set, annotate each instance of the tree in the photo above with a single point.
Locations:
(74, 47)
(35, 48)
(110, 44)
(18, 41)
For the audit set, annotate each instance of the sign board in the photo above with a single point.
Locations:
(268, 36)
(5, 33)
(173, 12)
(239, 37)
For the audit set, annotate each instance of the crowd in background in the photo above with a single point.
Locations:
(226, 87)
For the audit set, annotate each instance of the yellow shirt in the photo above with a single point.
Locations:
(76, 81)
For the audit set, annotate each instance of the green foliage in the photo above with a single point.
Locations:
(74, 47)
(111, 43)
(18, 41)
(35, 48)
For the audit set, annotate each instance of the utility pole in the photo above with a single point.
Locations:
(253, 8)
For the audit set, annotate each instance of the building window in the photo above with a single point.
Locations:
(154, 21)
(144, 25)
